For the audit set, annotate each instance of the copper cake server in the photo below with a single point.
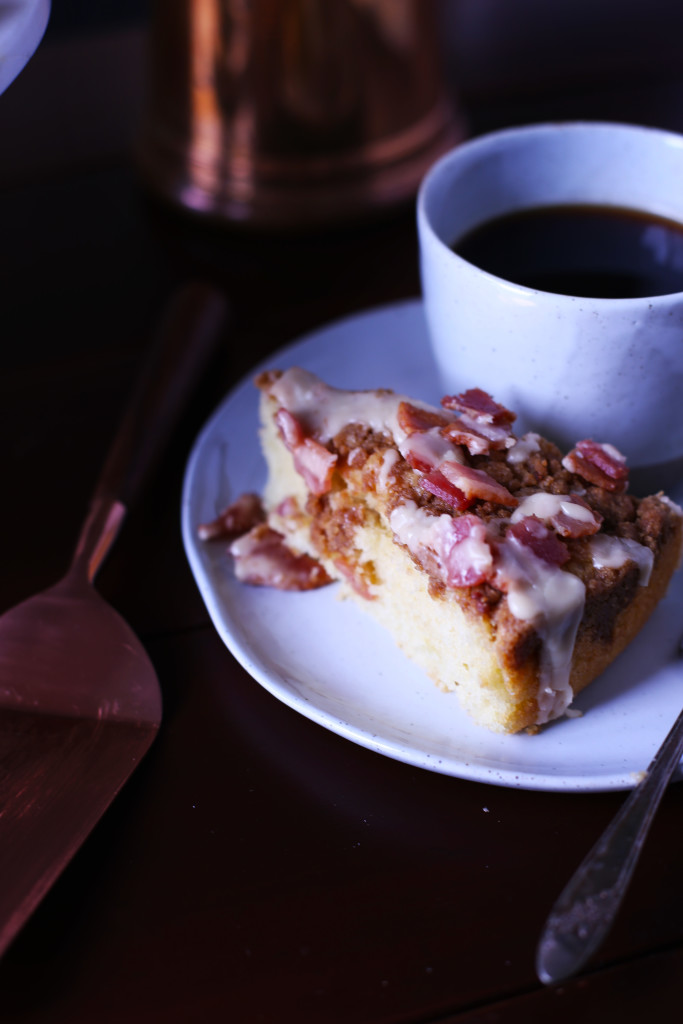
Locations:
(80, 702)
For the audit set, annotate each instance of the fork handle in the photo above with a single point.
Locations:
(585, 910)
(187, 338)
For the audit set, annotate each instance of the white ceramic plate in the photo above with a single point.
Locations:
(326, 659)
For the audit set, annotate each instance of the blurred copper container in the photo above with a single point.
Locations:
(293, 112)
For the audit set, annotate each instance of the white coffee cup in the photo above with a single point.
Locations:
(609, 369)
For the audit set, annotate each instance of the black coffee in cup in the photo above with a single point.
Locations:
(593, 251)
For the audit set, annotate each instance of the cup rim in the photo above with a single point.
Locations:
(479, 144)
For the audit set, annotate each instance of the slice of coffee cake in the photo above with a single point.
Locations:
(510, 573)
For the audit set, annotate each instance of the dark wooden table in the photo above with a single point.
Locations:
(258, 868)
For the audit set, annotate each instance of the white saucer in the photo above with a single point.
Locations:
(326, 659)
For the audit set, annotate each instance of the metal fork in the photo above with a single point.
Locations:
(585, 911)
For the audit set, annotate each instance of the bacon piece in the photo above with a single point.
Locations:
(478, 437)
(499, 434)
(478, 431)
(262, 558)
(475, 483)
(235, 520)
(291, 431)
(315, 464)
(436, 483)
(568, 525)
(568, 514)
(599, 464)
(425, 450)
(470, 437)
(480, 406)
(311, 459)
(606, 457)
(417, 461)
(411, 418)
(465, 552)
(535, 535)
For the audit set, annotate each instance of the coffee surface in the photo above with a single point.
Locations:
(590, 251)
